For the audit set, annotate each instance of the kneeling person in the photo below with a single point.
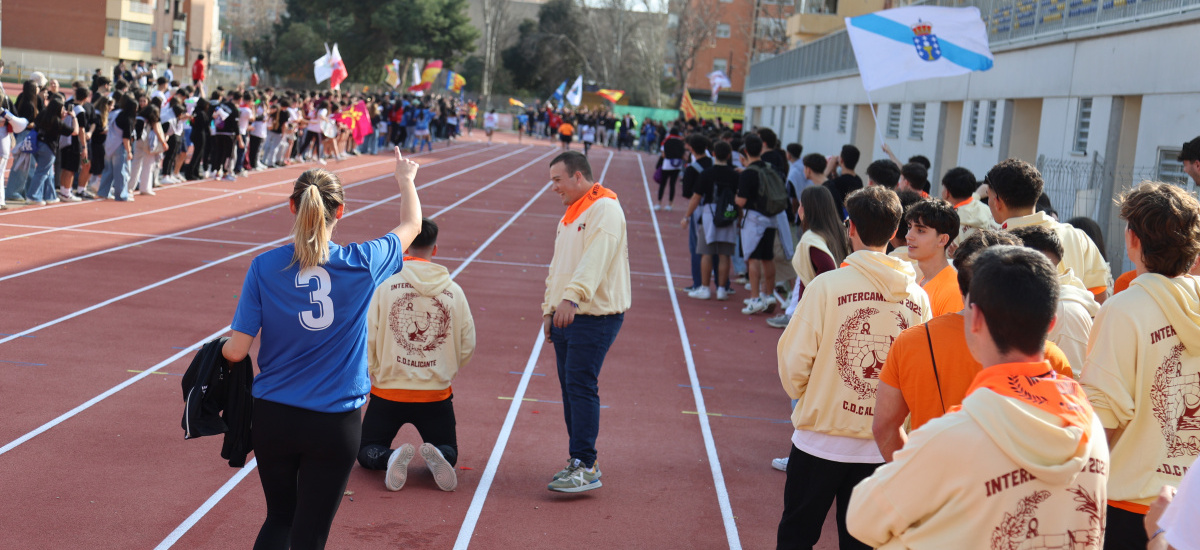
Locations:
(419, 333)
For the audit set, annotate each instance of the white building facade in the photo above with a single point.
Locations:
(1098, 94)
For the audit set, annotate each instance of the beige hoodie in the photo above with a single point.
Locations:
(590, 265)
(972, 215)
(1080, 254)
(1142, 375)
(802, 261)
(419, 333)
(999, 473)
(1076, 308)
(831, 353)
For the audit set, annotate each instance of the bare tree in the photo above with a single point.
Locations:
(496, 15)
(694, 29)
(767, 28)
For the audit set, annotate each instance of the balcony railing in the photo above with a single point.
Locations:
(140, 7)
(1009, 22)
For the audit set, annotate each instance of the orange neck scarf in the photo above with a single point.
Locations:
(964, 203)
(414, 259)
(580, 206)
(1038, 385)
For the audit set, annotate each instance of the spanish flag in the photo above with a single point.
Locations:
(432, 69)
(455, 82)
(611, 95)
(687, 107)
(515, 103)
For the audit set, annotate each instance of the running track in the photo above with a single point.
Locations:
(104, 302)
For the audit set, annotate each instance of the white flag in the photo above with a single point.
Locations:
(716, 81)
(918, 42)
(576, 94)
(323, 66)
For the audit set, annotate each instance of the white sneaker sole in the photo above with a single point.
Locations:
(443, 472)
(397, 467)
(593, 485)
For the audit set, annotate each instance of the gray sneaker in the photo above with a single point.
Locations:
(577, 479)
(565, 471)
(443, 472)
(779, 321)
(397, 467)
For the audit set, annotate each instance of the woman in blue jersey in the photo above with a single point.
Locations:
(309, 299)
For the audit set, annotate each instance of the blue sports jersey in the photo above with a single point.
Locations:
(313, 349)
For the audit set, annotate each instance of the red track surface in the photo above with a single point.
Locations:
(118, 474)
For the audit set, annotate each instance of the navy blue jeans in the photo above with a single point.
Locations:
(580, 349)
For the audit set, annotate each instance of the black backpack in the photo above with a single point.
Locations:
(724, 208)
(772, 192)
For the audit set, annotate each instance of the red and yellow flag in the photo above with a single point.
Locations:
(455, 82)
(432, 69)
(687, 107)
(611, 95)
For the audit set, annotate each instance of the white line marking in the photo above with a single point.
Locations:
(208, 505)
(231, 192)
(139, 235)
(489, 473)
(731, 530)
(244, 216)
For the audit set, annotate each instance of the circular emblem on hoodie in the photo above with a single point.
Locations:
(419, 324)
(860, 354)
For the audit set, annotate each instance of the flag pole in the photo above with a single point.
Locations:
(878, 134)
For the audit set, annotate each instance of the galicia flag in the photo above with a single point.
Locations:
(918, 42)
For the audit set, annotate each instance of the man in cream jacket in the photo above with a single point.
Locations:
(419, 333)
(1024, 462)
(830, 357)
(1142, 372)
(587, 293)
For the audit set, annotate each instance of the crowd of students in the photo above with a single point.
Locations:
(964, 371)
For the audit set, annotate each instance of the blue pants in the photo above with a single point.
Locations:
(696, 280)
(41, 184)
(579, 350)
(17, 178)
(116, 174)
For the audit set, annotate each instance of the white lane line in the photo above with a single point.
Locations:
(139, 235)
(87, 404)
(190, 184)
(203, 267)
(243, 217)
(489, 473)
(229, 485)
(208, 505)
(731, 530)
(229, 193)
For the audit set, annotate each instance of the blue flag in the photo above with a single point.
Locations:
(918, 42)
(558, 94)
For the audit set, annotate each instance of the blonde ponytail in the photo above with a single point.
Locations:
(317, 194)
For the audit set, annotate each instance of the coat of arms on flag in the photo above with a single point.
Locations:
(926, 42)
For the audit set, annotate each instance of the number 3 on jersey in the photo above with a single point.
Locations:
(319, 296)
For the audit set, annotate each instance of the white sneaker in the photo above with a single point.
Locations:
(668, 208)
(397, 467)
(755, 306)
(230, 177)
(747, 286)
(657, 207)
(722, 294)
(748, 300)
(443, 472)
(701, 293)
(780, 463)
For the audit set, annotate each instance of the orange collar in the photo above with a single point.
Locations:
(964, 203)
(414, 259)
(1038, 385)
(580, 206)
(924, 195)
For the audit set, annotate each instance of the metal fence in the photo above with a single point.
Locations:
(1009, 23)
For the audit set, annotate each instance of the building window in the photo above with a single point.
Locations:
(973, 123)
(720, 65)
(722, 30)
(916, 127)
(1170, 168)
(893, 121)
(726, 1)
(770, 28)
(113, 29)
(141, 7)
(795, 115)
(817, 117)
(989, 129)
(1083, 125)
(672, 20)
(139, 35)
(180, 45)
(668, 70)
(843, 118)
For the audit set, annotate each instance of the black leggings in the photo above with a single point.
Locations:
(310, 137)
(304, 462)
(668, 177)
(384, 418)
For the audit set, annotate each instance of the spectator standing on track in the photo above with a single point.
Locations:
(829, 360)
(958, 188)
(1144, 354)
(52, 124)
(29, 105)
(712, 241)
(566, 134)
(149, 143)
(915, 177)
(310, 300)
(922, 380)
(1076, 306)
(815, 254)
(697, 146)
(932, 226)
(489, 124)
(847, 182)
(759, 224)
(672, 163)
(197, 74)
(419, 334)
(201, 120)
(1031, 461)
(587, 293)
(1013, 190)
